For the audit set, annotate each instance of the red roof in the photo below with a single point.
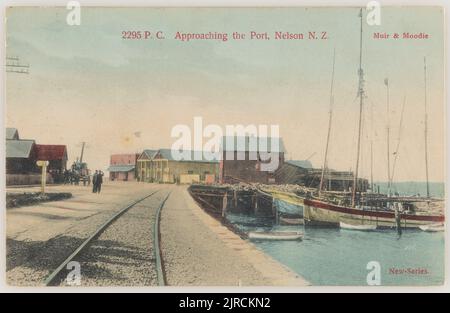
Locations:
(51, 152)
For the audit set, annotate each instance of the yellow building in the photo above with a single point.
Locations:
(160, 166)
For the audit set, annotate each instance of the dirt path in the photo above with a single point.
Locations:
(40, 237)
(123, 255)
(199, 251)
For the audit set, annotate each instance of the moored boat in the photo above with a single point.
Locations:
(285, 202)
(275, 235)
(320, 212)
(363, 227)
(291, 221)
(433, 228)
(364, 208)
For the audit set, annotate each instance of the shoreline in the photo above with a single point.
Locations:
(271, 270)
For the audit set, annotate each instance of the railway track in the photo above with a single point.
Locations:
(162, 281)
(57, 276)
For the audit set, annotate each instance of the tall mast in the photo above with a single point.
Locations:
(371, 147)
(386, 82)
(398, 141)
(426, 126)
(325, 162)
(361, 97)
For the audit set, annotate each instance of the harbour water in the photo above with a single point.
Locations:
(437, 189)
(329, 256)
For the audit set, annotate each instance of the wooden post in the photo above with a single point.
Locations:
(43, 165)
(224, 204)
(255, 203)
(275, 212)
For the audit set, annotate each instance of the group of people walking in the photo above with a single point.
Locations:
(97, 181)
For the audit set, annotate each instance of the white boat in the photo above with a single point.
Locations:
(276, 235)
(357, 227)
(433, 228)
(291, 221)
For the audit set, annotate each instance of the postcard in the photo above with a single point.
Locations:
(260, 146)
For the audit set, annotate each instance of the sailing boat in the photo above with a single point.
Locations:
(375, 210)
(369, 227)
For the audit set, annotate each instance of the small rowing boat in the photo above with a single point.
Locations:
(357, 227)
(291, 221)
(276, 235)
(433, 228)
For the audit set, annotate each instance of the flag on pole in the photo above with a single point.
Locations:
(386, 81)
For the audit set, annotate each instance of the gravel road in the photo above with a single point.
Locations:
(40, 237)
(199, 251)
(123, 255)
(196, 249)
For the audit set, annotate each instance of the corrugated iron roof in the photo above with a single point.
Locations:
(166, 154)
(121, 168)
(149, 153)
(194, 156)
(51, 152)
(300, 163)
(12, 133)
(19, 148)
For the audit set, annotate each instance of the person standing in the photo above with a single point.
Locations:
(94, 181)
(99, 181)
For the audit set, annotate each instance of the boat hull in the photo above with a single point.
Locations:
(275, 236)
(432, 228)
(291, 221)
(287, 203)
(321, 213)
(362, 227)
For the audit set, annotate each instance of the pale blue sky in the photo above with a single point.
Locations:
(87, 83)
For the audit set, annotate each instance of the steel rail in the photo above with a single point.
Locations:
(50, 280)
(162, 281)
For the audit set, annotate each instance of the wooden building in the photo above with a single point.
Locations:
(21, 156)
(12, 133)
(123, 167)
(145, 165)
(242, 159)
(160, 166)
(293, 172)
(302, 173)
(56, 155)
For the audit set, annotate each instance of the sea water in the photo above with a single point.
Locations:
(437, 189)
(333, 256)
